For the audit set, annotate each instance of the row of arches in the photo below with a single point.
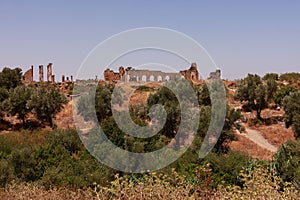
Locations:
(150, 78)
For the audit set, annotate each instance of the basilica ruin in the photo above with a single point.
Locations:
(27, 77)
(130, 74)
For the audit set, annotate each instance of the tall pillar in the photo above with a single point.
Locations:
(53, 79)
(41, 73)
(31, 73)
(49, 72)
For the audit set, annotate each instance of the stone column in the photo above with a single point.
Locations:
(41, 73)
(31, 73)
(49, 72)
(53, 79)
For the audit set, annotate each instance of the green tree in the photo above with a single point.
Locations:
(203, 95)
(252, 90)
(10, 78)
(17, 102)
(271, 86)
(46, 102)
(101, 98)
(287, 161)
(3, 96)
(291, 106)
(290, 77)
(271, 76)
(283, 92)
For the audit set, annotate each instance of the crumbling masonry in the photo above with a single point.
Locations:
(27, 77)
(130, 74)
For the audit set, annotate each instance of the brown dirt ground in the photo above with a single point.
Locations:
(248, 147)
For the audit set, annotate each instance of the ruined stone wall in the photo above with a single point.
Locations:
(28, 76)
(130, 74)
(148, 75)
(111, 76)
(191, 74)
(215, 75)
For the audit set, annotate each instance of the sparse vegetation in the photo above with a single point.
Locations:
(40, 164)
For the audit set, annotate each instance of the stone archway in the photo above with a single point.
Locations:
(159, 78)
(151, 78)
(144, 78)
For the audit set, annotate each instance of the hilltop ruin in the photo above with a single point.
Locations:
(27, 77)
(130, 74)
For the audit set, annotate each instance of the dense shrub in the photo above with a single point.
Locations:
(290, 77)
(58, 158)
(269, 76)
(283, 92)
(287, 161)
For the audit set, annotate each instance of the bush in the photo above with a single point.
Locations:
(287, 161)
(226, 168)
(272, 76)
(283, 92)
(290, 77)
(145, 88)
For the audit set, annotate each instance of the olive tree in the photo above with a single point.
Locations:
(10, 78)
(46, 102)
(252, 90)
(17, 102)
(291, 104)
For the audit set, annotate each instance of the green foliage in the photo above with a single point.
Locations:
(290, 77)
(168, 99)
(145, 88)
(271, 76)
(291, 105)
(101, 98)
(203, 95)
(45, 102)
(226, 168)
(252, 90)
(282, 92)
(10, 78)
(3, 96)
(271, 87)
(287, 161)
(60, 159)
(6, 173)
(17, 102)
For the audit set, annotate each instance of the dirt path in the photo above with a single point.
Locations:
(256, 137)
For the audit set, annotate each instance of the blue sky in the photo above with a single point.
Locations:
(241, 36)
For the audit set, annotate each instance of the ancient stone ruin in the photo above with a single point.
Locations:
(28, 76)
(191, 74)
(215, 75)
(130, 74)
(49, 73)
(41, 73)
